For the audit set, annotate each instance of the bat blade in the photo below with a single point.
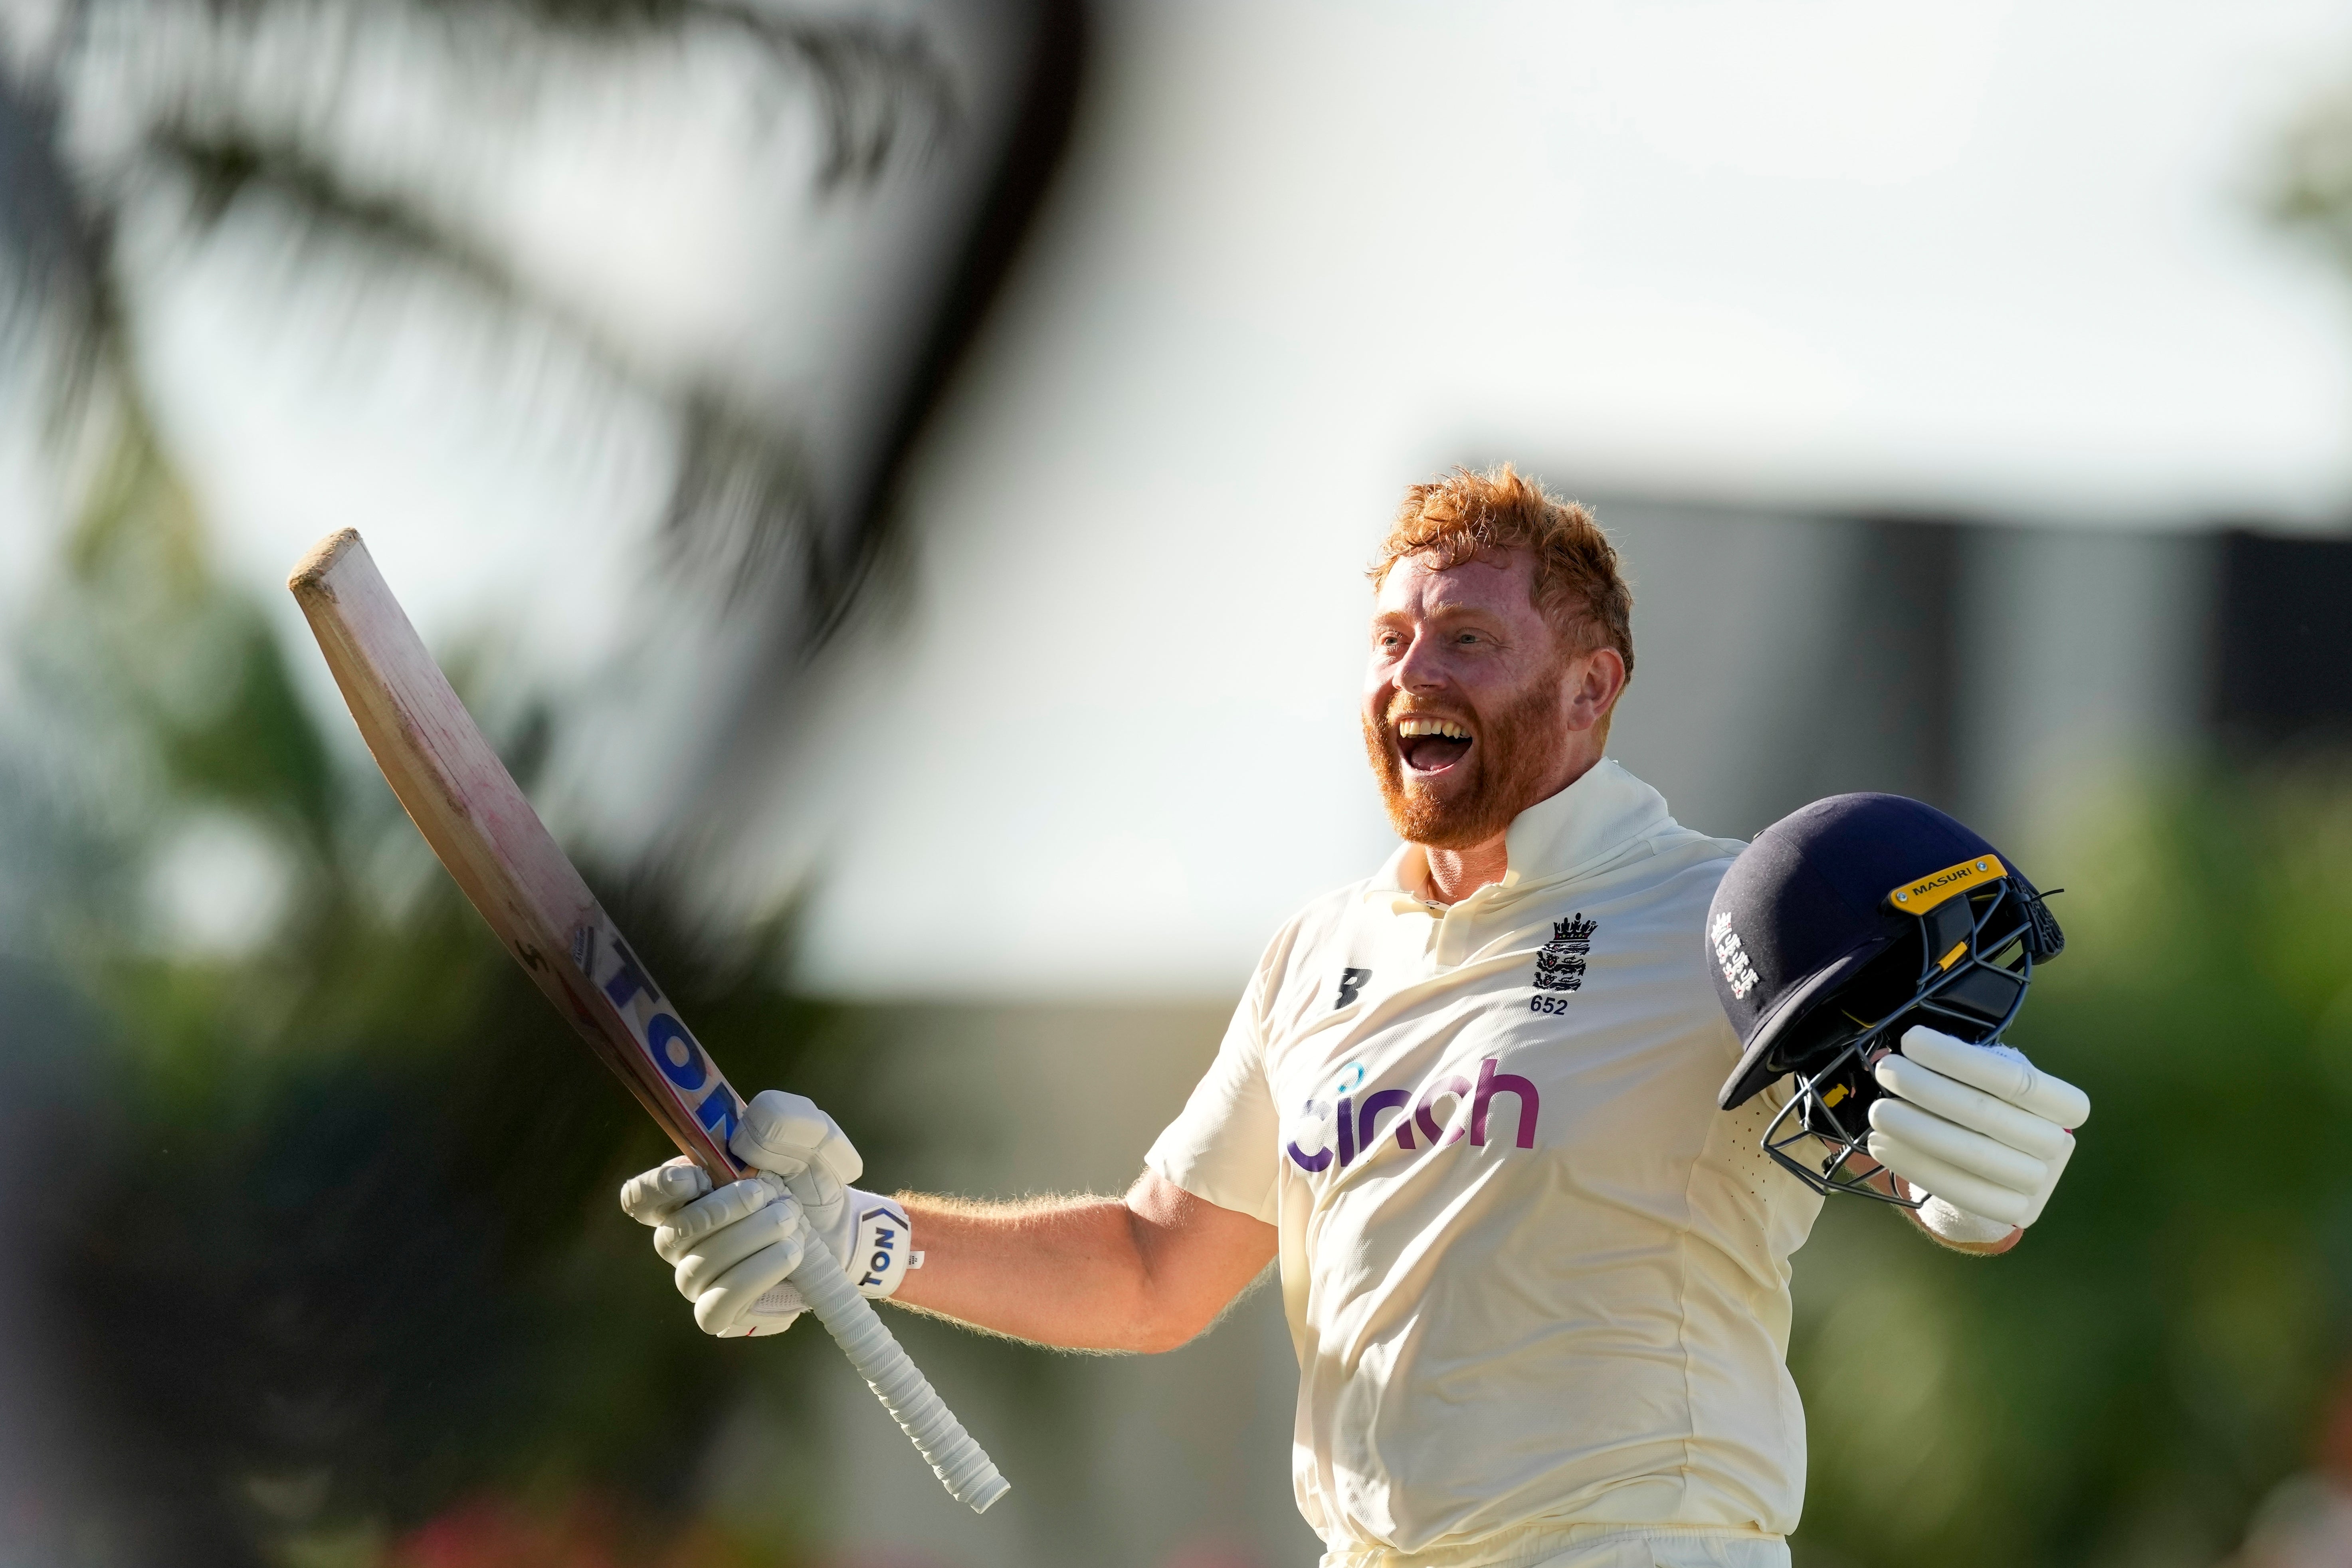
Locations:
(482, 828)
(479, 824)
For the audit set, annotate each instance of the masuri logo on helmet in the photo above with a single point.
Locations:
(1842, 925)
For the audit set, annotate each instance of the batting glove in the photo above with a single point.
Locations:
(787, 1136)
(732, 1248)
(1979, 1128)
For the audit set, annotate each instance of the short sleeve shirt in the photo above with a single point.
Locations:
(1534, 1276)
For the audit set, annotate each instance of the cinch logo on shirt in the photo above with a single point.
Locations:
(1356, 1122)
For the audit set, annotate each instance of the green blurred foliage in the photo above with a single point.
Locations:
(2154, 1359)
(344, 1271)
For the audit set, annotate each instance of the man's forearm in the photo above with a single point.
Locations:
(1143, 1273)
(1060, 1271)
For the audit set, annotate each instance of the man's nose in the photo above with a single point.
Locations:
(1421, 669)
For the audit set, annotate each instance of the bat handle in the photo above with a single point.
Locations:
(962, 1466)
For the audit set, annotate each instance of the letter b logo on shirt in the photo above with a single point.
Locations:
(1351, 985)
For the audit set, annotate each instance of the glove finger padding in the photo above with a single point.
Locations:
(729, 1204)
(2001, 1072)
(776, 1229)
(1973, 1193)
(1956, 1102)
(2050, 1184)
(788, 1134)
(650, 1197)
(746, 1296)
(783, 1133)
(1990, 1158)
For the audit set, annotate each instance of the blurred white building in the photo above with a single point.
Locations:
(1911, 357)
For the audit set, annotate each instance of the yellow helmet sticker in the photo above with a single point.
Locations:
(1917, 898)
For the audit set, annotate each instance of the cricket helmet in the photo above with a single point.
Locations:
(1840, 927)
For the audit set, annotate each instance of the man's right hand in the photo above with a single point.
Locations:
(733, 1248)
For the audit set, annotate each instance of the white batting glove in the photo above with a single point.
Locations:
(732, 1248)
(870, 1234)
(1978, 1127)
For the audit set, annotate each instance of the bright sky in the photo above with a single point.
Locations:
(2001, 258)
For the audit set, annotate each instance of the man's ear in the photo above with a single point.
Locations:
(1597, 681)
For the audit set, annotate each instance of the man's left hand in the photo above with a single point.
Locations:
(1978, 1127)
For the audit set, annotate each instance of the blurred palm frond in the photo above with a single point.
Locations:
(204, 114)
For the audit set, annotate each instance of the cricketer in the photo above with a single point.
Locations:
(1531, 1119)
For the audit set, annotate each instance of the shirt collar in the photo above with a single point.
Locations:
(1591, 821)
(1584, 824)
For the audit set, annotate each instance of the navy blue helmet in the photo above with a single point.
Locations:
(1840, 927)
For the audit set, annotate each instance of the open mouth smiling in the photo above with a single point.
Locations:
(1430, 746)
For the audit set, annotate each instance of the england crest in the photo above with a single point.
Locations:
(1559, 963)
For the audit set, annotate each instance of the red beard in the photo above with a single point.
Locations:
(1508, 766)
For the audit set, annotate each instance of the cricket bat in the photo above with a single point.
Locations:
(475, 816)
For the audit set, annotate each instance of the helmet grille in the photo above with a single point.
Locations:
(1966, 974)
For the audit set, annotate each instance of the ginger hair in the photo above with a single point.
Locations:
(1464, 516)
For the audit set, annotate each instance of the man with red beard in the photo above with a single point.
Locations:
(1537, 1281)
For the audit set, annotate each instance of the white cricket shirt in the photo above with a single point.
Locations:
(1534, 1276)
